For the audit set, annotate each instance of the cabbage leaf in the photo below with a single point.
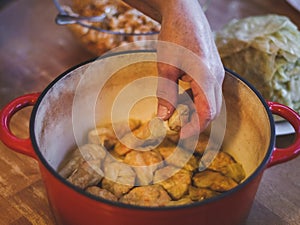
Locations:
(265, 50)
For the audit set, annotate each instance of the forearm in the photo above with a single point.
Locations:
(185, 29)
(157, 9)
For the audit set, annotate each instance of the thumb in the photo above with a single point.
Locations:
(167, 90)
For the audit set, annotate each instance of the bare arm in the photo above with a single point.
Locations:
(185, 27)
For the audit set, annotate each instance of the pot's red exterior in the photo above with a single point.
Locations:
(72, 208)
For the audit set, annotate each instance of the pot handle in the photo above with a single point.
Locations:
(281, 155)
(23, 146)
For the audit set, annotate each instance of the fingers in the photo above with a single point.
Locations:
(167, 90)
(201, 112)
(204, 98)
(199, 120)
(204, 101)
(205, 104)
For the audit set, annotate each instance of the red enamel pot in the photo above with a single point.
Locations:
(55, 129)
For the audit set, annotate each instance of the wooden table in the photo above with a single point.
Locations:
(34, 50)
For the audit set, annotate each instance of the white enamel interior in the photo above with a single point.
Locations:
(62, 123)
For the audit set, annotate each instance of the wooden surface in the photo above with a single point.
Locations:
(34, 50)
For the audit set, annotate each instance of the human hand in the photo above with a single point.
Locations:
(187, 51)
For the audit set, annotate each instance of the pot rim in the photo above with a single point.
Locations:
(41, 158)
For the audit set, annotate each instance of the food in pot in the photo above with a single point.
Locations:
(105, 135)
(214, 181)
(266, 51)
(100, 192)
(120, 18)
(180, 116)
(146, 136)
(166, 175)
(85, 175)
(152, 195)
(83, 169)
(118, 189)
(198, 194)
(177, 185)
(183, 157)
(183, 201)
(145, 164)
